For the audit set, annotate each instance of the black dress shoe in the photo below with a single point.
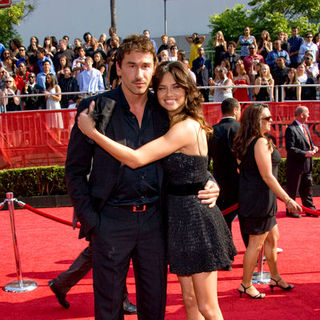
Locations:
(60, 295)
(312, 215)
(293, 215)
(128, 307)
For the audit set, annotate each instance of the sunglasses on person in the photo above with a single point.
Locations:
(267, 118)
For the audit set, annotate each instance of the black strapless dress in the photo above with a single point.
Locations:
(198, 237)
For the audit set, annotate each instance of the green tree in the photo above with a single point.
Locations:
(11, 17)
(291, 9)
(271, 15)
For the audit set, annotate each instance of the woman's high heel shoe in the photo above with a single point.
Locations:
(258, 296)
(289, 287)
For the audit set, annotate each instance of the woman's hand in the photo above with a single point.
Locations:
(85, 122)
(293, 207)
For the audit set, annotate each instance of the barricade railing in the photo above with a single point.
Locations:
(277, 89)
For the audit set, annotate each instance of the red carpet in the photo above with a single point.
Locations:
(47, 248)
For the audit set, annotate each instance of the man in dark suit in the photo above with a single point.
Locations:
(300, 151)
(120, 209)
(225, 167)
(202, 68)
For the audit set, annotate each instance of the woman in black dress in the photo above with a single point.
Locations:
(292, 93)
(258, 192)
(199, 241)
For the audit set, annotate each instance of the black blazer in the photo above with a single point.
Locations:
(297, 146)
(224, 162)
(91, 172)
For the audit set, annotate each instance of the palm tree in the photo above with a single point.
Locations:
(113, 13)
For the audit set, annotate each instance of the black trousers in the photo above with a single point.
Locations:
(78, 269)
(120, 236)
(301, 182)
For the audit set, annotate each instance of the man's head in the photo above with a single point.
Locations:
(302, 114)
(281, 62)
(230, 107)
(22, 68)
(67, 72)
(174, 50)
(277, 45)
(201, 52)
(112, 30)
(22, 51)
(164, 39)
(136, 62)
(46, 66)
(81, 52)
(146, 33)
(309, 37)
(308, 58)
(62, 45)
(231, 47)
(115, 41)
(135, 43)
(32, 78)
(41, 53)
(252, 49)
(89, 63)
(294, 31)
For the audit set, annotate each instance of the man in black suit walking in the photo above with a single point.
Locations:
(225, 167)
(300, 151)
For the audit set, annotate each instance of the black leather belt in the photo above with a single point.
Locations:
(138, 208)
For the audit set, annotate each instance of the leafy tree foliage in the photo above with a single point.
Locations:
(11, 17)
(271, 15)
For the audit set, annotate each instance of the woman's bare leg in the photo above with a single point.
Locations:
(189, 298)
(205, 288)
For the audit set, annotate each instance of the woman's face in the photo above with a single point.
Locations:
(170, 95)
(290, 74)
(264, 70)
(97, 57)
(300, 69)
(77, 43)
(247, 31)
(6, 54)
(265, 121)
(9, 82)
(63, 61)
(47, 42)
(88, 37)
(49, 80)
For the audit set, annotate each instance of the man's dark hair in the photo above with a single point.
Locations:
(42, 50)
(135, 42)
(232, 43)
(228, 105)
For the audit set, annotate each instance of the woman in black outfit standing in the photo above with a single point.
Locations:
(258, 192)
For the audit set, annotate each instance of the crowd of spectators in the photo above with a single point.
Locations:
(89, 66)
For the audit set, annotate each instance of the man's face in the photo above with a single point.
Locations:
(46, 67)
(22, 68)
(146, 33)
(309, 38)
(136, 72)
(277, 45)
(22, 52)
(62, 45)
(201, 52)
(307, 60)
(304, 116)
(237, 113)
(67, 72)
(252, 50)
(89, 64)
(295, 32)
(32, 78)
(231, 49)
(40, 55)
(280, 63)
(164, 40)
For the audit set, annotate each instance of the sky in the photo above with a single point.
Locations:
(75, 17)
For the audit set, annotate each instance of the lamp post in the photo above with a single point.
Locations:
(165, 15)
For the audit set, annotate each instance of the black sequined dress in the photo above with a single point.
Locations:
(198, 237)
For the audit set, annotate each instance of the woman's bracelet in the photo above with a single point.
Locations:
(288, 201)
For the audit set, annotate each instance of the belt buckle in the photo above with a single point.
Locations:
(140, 208)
